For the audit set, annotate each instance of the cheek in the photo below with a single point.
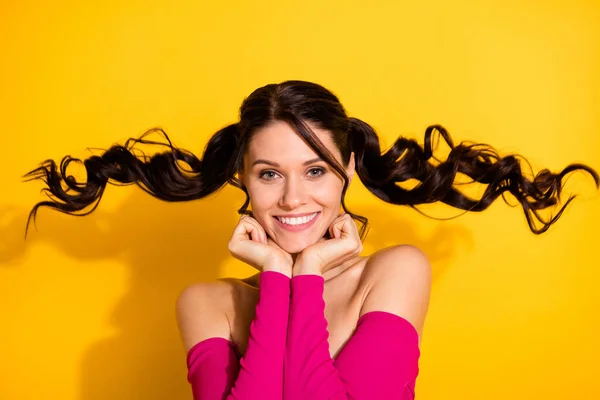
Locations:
(263, 198)
(329, 193)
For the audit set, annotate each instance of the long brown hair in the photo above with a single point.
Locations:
(297, 103)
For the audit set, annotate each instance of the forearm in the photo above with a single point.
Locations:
(215, 370)
(261, 368)
(309, 370)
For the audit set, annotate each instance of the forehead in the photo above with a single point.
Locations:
(279, 140)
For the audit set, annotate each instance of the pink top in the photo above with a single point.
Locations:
(289, 334)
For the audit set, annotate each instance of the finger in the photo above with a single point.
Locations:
(241, 231)
(348, 228)
(249, 229)
(339, 228)
(261, 231)
(263, 234)
(334, 224)
(248, 219)
(337, 232)
(253, 232)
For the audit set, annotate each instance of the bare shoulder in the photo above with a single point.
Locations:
(201, 310)
(398, 281)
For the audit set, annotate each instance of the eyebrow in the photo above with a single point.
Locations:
(274, 164)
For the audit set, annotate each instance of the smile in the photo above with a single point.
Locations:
(297, 224)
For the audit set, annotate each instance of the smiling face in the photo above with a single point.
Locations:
(294, 194)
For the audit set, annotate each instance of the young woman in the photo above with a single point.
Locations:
(318, 320)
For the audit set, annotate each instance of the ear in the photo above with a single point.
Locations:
(351, 168)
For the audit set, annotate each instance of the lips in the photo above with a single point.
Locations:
(296, 219)
(296, 215)
(298, 227)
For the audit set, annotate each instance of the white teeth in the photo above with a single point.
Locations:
(297, 221)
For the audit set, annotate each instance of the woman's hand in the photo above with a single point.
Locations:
(320, 257)
(250, 244)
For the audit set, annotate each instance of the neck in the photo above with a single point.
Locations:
(335, 271)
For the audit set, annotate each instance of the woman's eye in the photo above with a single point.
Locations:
(268, 175)
(271, 175)
(316, 172)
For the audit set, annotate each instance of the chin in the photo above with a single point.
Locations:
(295, 247)
(295, 243)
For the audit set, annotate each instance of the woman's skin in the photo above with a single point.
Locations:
(284, 176)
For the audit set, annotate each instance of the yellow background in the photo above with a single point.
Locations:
(87, 304)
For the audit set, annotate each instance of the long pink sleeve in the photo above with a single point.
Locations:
(215, 370)
(380, 361)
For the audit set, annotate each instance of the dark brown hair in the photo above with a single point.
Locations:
(165, 175)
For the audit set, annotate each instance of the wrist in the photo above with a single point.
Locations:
(281, 268)
(301, 268)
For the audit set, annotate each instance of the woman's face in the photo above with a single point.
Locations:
(294, 194)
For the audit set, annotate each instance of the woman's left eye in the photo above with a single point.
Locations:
(316, 172)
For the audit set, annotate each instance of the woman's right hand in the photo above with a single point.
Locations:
(250, 244)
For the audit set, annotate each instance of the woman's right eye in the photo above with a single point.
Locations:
(267, 175)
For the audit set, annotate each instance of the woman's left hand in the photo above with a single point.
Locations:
(320, 257)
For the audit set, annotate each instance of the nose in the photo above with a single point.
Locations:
(293, 196)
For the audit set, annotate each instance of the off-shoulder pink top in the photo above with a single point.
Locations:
(287, 356)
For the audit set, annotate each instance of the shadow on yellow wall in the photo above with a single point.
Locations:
(167, 246)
